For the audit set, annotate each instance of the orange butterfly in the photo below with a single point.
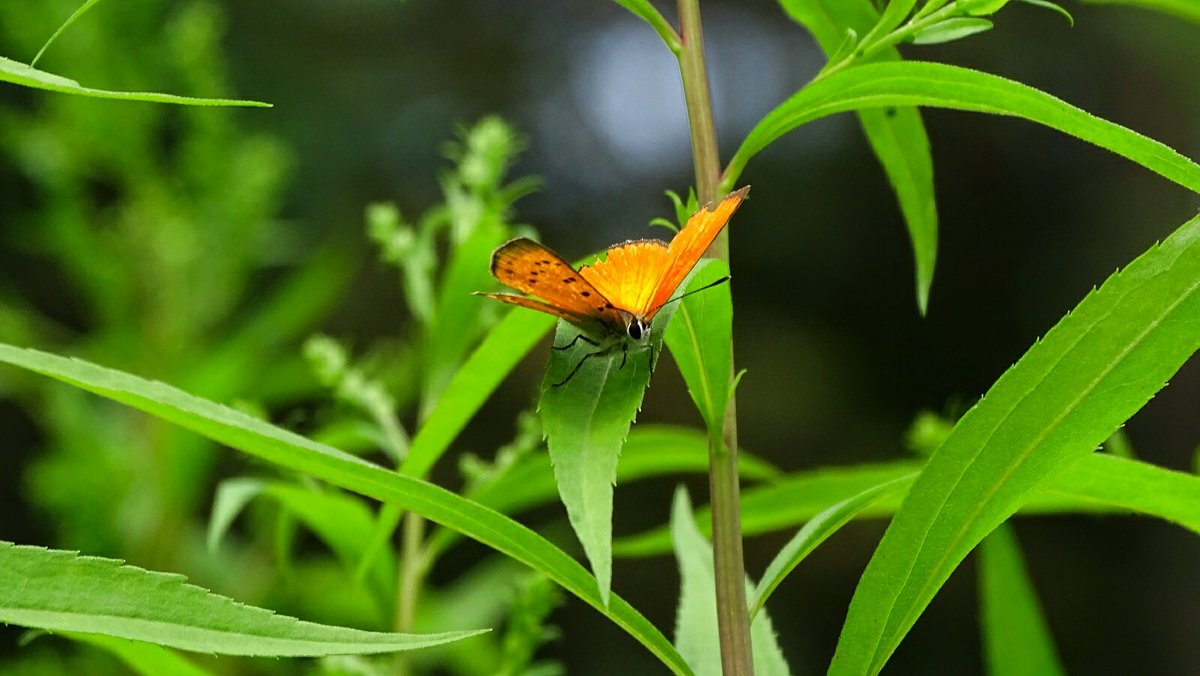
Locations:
(615, 298)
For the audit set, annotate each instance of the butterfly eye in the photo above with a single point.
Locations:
(638, 329)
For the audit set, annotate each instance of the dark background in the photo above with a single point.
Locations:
(839, 361)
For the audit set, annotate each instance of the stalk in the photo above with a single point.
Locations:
(733, 621)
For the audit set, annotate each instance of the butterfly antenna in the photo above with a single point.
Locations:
(706, 287)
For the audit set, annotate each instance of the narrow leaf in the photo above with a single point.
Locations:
(650, 451)
(646, 12)
(1098, 484)
(954, 28)
(700, 338)
(505, 345)
(289, 450)
(696, 633)
(814, 533)
(1069, 392)
(70, 20)
(880, 85)
(61, 591)
(28, 76)
(146, 659)
(897, 134)
(1016, 639)
(1184, 9)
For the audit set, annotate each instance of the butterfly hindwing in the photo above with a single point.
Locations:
(560, 290)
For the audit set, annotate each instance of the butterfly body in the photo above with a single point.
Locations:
(614, 300)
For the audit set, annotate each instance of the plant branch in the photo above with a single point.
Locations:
(733, 621)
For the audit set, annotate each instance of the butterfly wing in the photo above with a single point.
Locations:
(629, 273)
(529, 267)
(689, 245)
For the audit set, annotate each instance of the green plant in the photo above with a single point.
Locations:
(1027, 446)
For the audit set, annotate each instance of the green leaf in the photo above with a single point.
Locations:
(786, 503)
(1097, 484)
(816, 531)
(879, 85)
(586, 421)
(143, 658)
(70, 20)
(340, 521)
(897, 134)
(231, 498)
(1183, 9)
(505, 345)
(286, 449)
(696, 618)
(982, 7)
(649, 451)
(28, 76)
(1065, 396)
(1053, 7)
(58, 590)
(949, 30)
(700, 339)
(456, 320)
(646, 12)
(1016, 640)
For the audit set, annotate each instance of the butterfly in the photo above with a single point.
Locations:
(613, 300)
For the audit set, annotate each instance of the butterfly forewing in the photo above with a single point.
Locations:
(527, 266)
(629, 274)
(689, 245)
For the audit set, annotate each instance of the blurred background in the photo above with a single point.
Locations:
(203, 246)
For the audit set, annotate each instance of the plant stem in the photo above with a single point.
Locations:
(733, 621)
(412, 572)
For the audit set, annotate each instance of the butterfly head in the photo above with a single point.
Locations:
(637, 328)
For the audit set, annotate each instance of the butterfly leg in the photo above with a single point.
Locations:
(624, 354)
(579, 365)
(578, 337)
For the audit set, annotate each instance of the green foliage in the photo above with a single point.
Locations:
(1090, 373)
(286, 449)
(696, 616)
(196, 198)
(586, 421)
(1016, 639)
(897, 134)
(60, 591)
(700, 339)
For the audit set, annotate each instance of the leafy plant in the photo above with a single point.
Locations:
(345, 519)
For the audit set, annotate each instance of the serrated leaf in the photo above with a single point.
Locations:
(1016, 639)
(696, 617)
(897, 135)
(817, 530)
(289, 450)
(28, 76)
(879, 85)
(949, 30)
(700, 338)
(61, 591)
(1066, 395)
(586, 421)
